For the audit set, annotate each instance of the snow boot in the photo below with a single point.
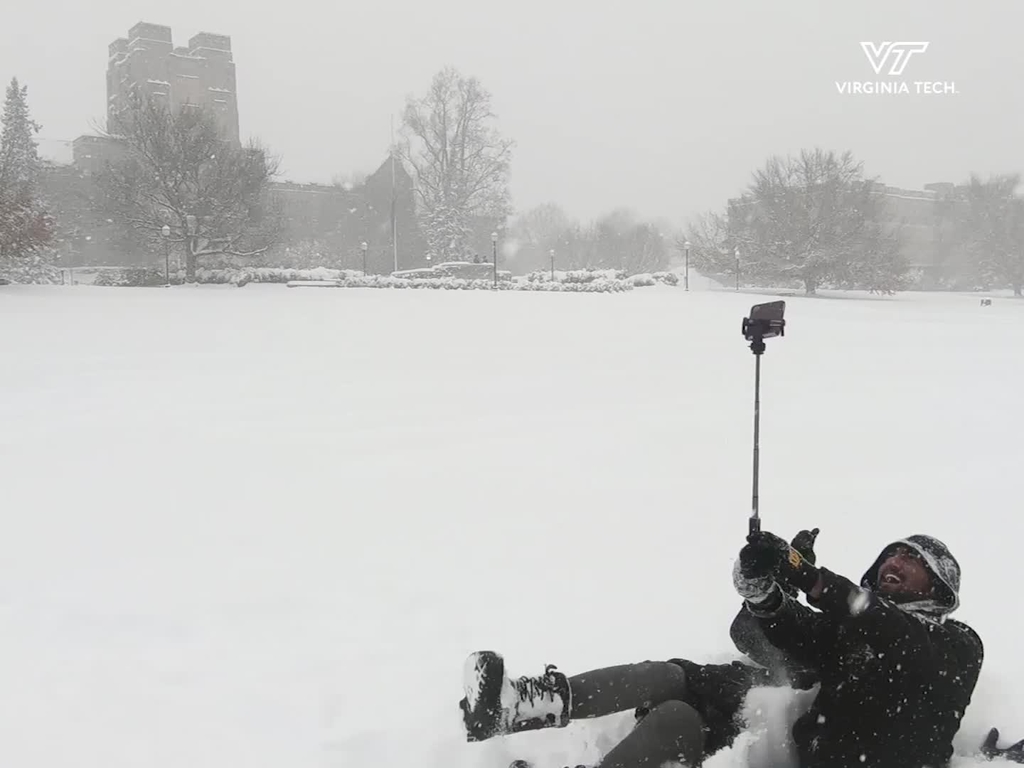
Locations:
(495, 705)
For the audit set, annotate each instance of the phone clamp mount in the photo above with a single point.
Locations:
(766, 324)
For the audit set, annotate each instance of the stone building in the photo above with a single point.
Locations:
(331, 219)
(201, 74)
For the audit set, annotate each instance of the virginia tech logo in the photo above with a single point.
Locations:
(889, 60)
(896, 55)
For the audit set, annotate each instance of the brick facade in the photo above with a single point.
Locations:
(200, 74)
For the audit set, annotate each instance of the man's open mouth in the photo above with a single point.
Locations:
(891, 578)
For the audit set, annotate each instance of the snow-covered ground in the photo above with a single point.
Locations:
(263, 527)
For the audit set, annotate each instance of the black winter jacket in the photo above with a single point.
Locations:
(778, 667)
(895, 679)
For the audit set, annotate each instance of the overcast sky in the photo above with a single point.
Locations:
(663, 106)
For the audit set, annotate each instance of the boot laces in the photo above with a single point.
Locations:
(533, 688)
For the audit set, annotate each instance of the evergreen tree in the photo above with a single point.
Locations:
(19, 159)
(25, 226)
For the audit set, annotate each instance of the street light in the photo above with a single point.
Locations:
(364, 247)
(736, 252)
(686, 268)
(494, 249)
(190, 252)
(552, 265)
(166, 232)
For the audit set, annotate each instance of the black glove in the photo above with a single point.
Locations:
(766, 554)
(803, 543)
(762, 555)
(1013, 753)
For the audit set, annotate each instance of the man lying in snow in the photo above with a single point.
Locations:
(895, 672)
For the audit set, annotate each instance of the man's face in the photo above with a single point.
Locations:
(903, 575)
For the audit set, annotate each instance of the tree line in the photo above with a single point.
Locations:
(812, 220)
(815, 221)
(176, 183)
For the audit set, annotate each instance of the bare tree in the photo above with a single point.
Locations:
(709, 251)
(540, 225)
(645, 251)
(576, 247)
(459, 161)
(813, 220)
(617, 241)
(990, 218)
(535, 233)
(633, 246)
(178, 171)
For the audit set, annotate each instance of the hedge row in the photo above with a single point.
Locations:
(456, 284)
(582, 281)
(591, 275)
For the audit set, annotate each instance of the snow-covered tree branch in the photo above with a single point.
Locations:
(617, 240)
(459, 161)
(812, 220)
(990, 215)
(178, 171)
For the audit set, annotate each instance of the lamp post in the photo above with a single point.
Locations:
(552, 265)
(686, 267)
(736, 253)
(363, 246)
(494, 252)
(190, 249)
(71, 264)
(166, 232)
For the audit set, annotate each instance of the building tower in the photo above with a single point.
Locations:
(199, 75)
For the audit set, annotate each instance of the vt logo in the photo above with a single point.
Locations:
(895, 54)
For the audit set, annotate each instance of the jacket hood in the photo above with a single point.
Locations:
(943, 566)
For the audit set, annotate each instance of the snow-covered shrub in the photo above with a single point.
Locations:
(132, 277)
(588, 276)
(148, 276)
(603, 285)
(271, 275)
(541, 277)
(600, 285)
(654, 278)
(576, 275)
(417, 274)
(33, 268)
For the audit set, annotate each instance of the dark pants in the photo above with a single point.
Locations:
(686, 711)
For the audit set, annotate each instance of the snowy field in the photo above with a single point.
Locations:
(263, 527)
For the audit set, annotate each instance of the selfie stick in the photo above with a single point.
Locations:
(755, 330)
